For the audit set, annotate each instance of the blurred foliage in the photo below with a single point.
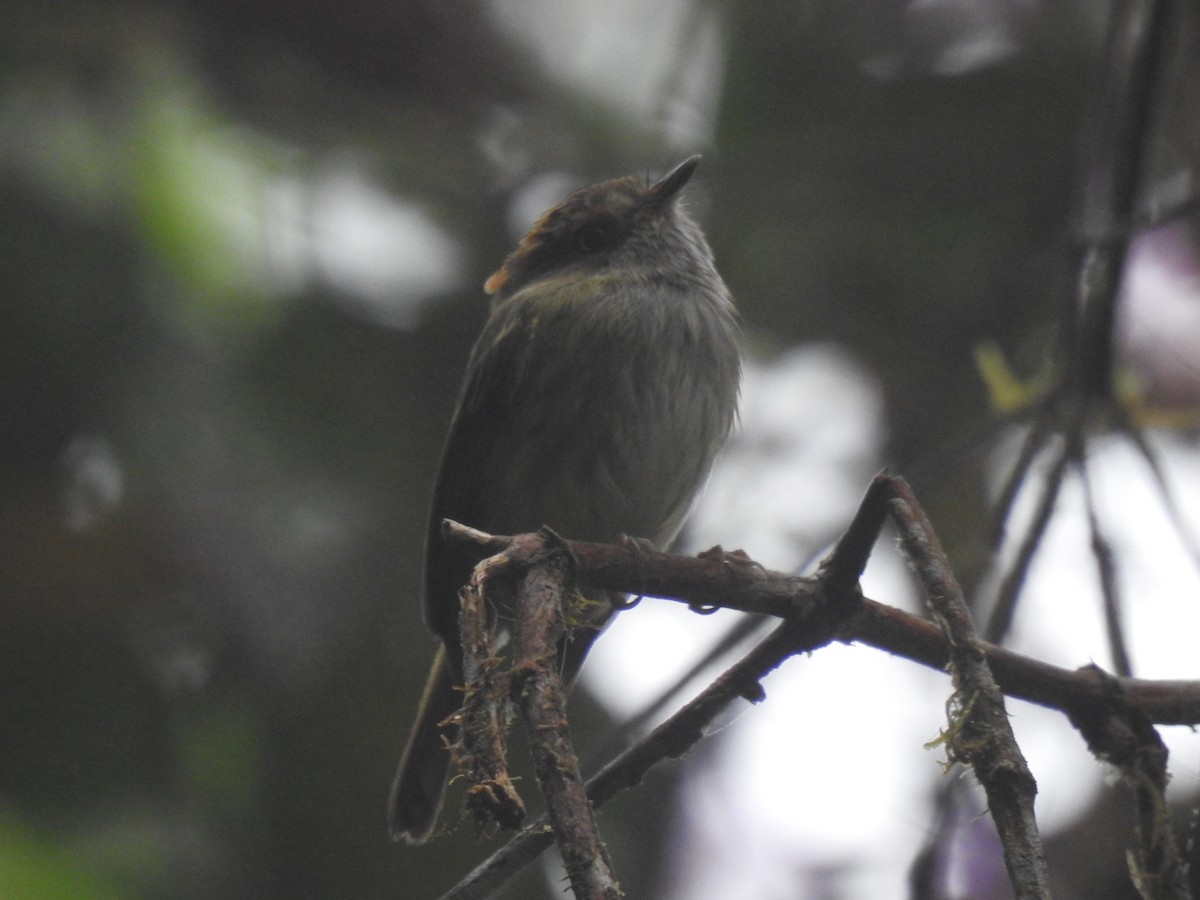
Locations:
(205, 680)
(192, 183)
(32, 866)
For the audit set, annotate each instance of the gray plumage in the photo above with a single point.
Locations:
(603, 384)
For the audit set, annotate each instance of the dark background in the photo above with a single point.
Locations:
(217, 449)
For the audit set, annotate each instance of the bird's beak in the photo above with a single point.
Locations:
(672, 183)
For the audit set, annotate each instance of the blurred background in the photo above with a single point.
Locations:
(242, 254)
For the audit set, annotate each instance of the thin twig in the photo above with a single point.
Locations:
(845, 564)
(740, 633)
(1165, 495)
(1001, 617)
(980, 733)
(1031, 445)
(1106, 570)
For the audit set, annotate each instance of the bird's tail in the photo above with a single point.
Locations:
(421, 777)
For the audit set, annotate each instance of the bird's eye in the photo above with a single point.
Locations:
(599, 234)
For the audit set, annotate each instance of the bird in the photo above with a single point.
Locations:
(600, 389)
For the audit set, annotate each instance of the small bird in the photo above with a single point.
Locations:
(603, 384)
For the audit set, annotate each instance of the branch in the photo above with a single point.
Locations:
(1115, 149)
(538, 685)
(1116, 144)
(745, 586)
(1106, 569)
(480, 750)
(1119, 733)
(829, 606)
(980, 732)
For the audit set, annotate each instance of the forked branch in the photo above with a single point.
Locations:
(829, 606)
